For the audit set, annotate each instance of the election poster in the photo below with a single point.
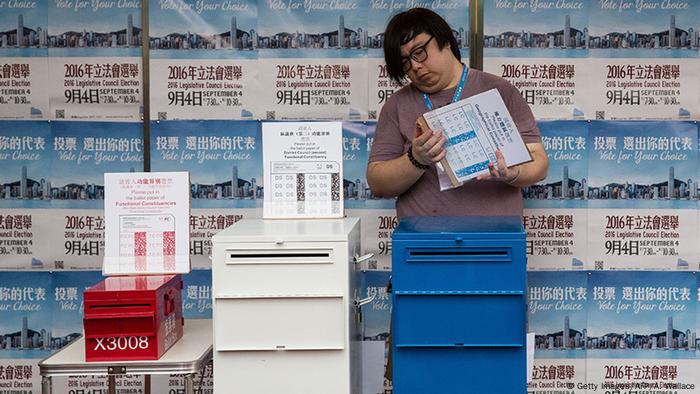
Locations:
(95, 70)
(24, 61)
(642, 214)
(641, 332)
(557, 315)
(643, 60)
(314, 56)
(541, 47)
(203, 59)
(555, 209)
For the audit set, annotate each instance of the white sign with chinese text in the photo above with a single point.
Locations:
(147, 223)
(303, 166)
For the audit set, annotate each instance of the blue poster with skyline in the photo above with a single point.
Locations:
(376, 314)
(67, 303)
(82, 28)
(455, 13)
(203, 29)
(25, 159)
(354, 164)
(644, 29)
(655, 164)
(537, 29)
(196, 294)
(697, 314)
(641, 315)
(24, 28)
(25, 305)
(313, 28)
(224, 159)
(566, 185)
(557, 302)
(371, 201)
(83, 152)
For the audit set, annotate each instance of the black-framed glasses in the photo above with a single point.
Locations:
(417, 54)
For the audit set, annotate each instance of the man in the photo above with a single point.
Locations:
(419, 45)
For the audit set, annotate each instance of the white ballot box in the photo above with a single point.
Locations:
(286, 307)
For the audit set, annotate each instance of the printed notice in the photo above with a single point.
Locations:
(147, 223)
(303, 163)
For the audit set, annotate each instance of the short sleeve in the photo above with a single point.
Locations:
(388, 141)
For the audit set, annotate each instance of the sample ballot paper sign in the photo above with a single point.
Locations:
(303, 164)
(146, 223)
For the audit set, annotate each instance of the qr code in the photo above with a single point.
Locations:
(58, 265)
(60, 114)
(301, 187)
(372, 114)
(599, 115)
(270, 115)
(599, 265)
(335, 186)
(162, 115)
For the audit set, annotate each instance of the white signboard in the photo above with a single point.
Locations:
(303, 167)
(147, 223)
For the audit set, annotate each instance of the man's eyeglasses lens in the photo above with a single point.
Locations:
(418, 55)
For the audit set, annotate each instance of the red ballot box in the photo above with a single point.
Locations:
(132, 317)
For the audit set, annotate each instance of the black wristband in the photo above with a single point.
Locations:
(415, 162)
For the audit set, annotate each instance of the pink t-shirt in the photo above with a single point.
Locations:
(394, 134)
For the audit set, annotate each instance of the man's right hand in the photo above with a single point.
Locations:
(428, 146)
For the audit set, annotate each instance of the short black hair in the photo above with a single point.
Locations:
(405, 26)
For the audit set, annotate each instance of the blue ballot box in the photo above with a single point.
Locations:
(459, 305)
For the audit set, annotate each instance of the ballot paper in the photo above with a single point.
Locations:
(475, 128)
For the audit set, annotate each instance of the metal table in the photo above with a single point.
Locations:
(188, 356)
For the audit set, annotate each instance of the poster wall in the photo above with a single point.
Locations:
(619, 195)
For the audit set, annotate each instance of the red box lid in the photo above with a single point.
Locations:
(131, 283)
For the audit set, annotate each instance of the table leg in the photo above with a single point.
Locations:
(46, 385)
(111, 384)
(189, 384)
(147, 384)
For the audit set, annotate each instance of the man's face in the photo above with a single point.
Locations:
(433, 73)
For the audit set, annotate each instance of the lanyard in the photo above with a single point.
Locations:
(458, 92)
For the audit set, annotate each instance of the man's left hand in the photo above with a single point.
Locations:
(500, 171)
